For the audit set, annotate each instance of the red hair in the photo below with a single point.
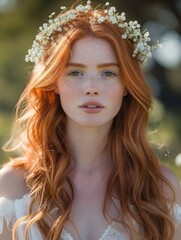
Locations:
(136, 179)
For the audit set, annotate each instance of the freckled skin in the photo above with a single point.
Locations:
(78, 84)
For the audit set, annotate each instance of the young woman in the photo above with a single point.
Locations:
(85, 169)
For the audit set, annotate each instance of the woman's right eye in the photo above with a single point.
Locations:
(75, 73)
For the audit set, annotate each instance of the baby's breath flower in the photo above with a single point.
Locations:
(124, 36)
(131, 30)
(113, 9)
(110, 12)
(101, 19)
(113, 19)
(63, 8)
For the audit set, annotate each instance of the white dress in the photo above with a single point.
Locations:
(11, 210)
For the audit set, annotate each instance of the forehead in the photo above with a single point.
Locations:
(92, 50)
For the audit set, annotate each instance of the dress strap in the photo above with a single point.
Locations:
(10, 209)
(6, 212)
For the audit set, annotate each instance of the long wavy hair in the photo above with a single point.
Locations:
(136, 180)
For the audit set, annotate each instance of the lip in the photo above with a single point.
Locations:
(98, 109)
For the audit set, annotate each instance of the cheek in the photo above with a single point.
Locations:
(68, 90)
(115, 91)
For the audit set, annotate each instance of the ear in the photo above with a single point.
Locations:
(56, 90)
(125, 92)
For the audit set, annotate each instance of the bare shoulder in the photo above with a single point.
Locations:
(12, 184)
(174, 181)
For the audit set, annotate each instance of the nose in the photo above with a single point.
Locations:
(91, 91)
(91, 84)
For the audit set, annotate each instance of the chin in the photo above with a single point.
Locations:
(92, 124)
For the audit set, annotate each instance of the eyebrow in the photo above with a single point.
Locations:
(99, 66)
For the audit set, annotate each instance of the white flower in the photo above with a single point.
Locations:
(50, 21)
(88, 2)
(140, 46)
(63, 8)
(45, 25)
(113, 9)
(57, 20)
(121, 25)
(38, 38)
(113, 19)
(88, 7)
(121, 18)
(101, 18)
(107, 4)
(124, 36)
(79, 8)
(110, 12)
(59, 29)
(71, 15)
(51, 15)
(146, 34)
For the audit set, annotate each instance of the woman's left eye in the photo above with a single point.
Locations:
(109, 74)
(75, 74)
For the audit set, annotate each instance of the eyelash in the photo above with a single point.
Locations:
(75, 72)
(109, 72)
(104, 74)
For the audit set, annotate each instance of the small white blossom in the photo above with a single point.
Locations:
(59, 29)
(44, 42)
(110, 12)
(113, 19)
(121, 17)
(45, 25)
(146, 34)
(107, 4)
(79, 8)
(71, 15)
(101, 19)
(113, 9)
(51, 15)
(38, 38)
(50, 21)
(124, 36)
(140, 46)
(63, 8)
(88, 7)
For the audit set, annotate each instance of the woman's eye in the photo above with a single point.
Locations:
(109, 74)
(75, 74)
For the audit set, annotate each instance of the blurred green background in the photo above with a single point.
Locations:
(19, 22)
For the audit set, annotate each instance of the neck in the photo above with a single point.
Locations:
(88, 146)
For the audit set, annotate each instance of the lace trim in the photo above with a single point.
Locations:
(114, 231)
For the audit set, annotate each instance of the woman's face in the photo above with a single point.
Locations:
(90, 86)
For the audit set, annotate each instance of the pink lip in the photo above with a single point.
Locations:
(92, 103)
(98, 109)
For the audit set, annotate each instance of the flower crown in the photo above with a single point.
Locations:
(132, 31)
